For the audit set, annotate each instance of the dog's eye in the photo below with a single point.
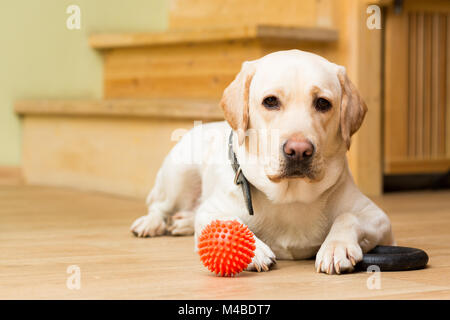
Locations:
(322, 105)
(271, 102)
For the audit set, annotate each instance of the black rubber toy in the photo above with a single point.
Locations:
(393, 258)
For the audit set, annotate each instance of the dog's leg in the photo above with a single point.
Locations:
(177, 189)
(182, 223)
(352, 234)
(264, 257)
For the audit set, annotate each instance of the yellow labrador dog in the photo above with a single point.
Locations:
(292, 115)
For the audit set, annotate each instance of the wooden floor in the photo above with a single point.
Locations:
(43, 231)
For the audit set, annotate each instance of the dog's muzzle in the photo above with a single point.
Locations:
(298, 157)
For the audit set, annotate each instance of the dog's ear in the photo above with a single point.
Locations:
(353, 108)
(235, 100)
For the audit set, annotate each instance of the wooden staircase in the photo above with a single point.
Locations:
(193, 64)
(156, 85)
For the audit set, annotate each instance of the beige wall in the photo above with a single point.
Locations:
(41, 58)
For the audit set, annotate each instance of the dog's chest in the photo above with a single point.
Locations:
(292, 231)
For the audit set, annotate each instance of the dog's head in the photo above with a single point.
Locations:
(294, 111)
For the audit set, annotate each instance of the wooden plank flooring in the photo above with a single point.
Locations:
(44, 230)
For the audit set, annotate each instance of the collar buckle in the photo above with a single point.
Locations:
(236, 176)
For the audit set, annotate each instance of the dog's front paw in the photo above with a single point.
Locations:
(264, 257)
(149, 226)
(338, 257)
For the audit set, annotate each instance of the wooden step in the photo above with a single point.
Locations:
(261, 32)
(199, 63)
(114, 146)
(144, 108)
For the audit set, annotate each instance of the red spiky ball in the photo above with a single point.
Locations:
(226, 247)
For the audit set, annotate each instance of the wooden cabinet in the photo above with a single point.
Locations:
(416, 81)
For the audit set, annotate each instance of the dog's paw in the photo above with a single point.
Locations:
(182, 223)
(338, 257)
(149, 226)
(264, 257)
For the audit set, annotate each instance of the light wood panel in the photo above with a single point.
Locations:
(191, 72)
(413, 70)
(447, 109)
(45, 230)
(396, 85)
(205, 13)
(119, 155)
(419, 86)
(416, 103)
(367, 154)
(428, 5)
(427, 86)
(441, 84)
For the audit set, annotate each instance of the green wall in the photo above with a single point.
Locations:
(40, 58)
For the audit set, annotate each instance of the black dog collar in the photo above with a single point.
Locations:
(239, 177)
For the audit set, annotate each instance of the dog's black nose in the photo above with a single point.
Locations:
(298, 149)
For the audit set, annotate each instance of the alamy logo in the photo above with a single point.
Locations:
(74, 20)
(374, 20)
(374, 281)
(74, 280)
